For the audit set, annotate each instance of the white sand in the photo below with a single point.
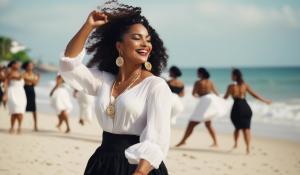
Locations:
(52, 152)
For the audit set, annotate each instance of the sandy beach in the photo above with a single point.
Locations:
(51, 152)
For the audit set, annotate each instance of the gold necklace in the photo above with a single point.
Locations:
(111, 109)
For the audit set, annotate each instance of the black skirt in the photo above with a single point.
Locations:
(109, 158)
(30, 95)
(241, 114)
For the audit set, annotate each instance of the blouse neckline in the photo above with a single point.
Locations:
(130, 89)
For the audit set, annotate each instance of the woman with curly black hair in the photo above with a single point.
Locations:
(131, 100)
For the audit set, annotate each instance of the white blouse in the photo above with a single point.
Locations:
(144, 109)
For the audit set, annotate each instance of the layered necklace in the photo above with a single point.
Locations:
(111, 108)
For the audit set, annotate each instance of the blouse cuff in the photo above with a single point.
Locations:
(68, 64)
(145, 150)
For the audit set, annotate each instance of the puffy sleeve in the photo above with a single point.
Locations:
(155, 138)
(76, 74)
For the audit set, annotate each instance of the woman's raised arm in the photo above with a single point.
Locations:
(71, 68)
(94, 20)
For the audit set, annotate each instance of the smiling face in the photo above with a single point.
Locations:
(135, 46)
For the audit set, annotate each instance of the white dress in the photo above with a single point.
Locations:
(16, 97)
(177, 107)
(142, 110)
(86, 103)
(209, 106)
(61, 100)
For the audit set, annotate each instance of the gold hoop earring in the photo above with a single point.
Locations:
(119, 61)
(148, 66)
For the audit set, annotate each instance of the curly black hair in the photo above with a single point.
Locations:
(176, 71)
(238, 74)
(102, 42)
(25, 64)
(205, 74)
(11, 63)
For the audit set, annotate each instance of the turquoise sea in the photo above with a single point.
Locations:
(280, 83)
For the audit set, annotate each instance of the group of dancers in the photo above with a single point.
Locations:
(210, 105)
(17, 92)
(21, 97)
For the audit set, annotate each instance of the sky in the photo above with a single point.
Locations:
(211, 33)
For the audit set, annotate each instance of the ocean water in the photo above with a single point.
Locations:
(280, 84)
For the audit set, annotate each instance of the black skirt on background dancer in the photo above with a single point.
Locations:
(241, 114)
(30, 95)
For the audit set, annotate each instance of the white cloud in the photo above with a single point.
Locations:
(251, 15)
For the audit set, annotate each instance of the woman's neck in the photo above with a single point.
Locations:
(29, 71)
(126, 71)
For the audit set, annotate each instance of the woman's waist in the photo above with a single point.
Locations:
(29, 85)
(239, 99)
(203, 94)
(117, 142)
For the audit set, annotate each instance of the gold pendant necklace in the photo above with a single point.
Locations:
(111, 109)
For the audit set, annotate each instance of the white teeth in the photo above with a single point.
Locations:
(142, 51)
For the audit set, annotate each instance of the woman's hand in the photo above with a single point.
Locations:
(96, 19)
(268, 102)
(4, 98)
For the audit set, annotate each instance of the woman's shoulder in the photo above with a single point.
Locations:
(157, 84)
(107, 75)
(104, 76)
(176, 82)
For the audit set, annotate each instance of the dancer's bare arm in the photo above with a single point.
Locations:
(94, 20)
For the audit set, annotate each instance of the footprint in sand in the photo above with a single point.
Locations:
(265, 164)
(230, 167)
(192, 157)
(244, 164)
(197, 168)
(49, 164)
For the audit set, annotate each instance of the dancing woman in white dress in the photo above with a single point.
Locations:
(85, 103)
(177, 88)
(61, 102)
(132, 102)
(15, 95)
(208, 107)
